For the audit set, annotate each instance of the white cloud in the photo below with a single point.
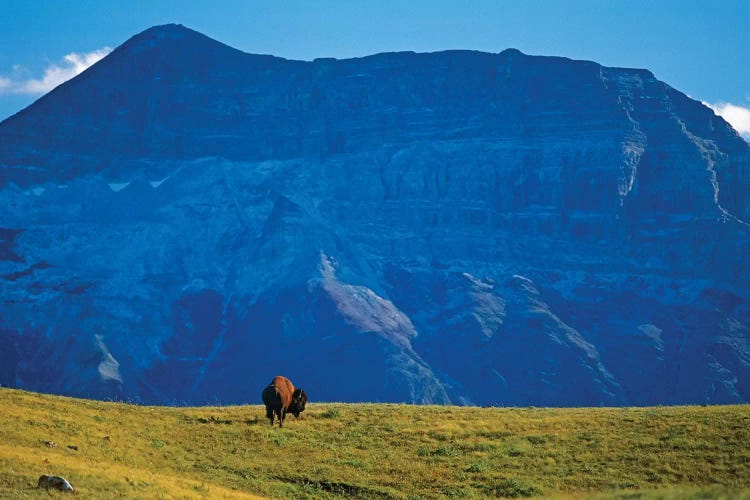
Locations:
(5, 84)
(737, 116)
(71, 65)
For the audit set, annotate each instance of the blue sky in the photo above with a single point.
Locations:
(702, 48)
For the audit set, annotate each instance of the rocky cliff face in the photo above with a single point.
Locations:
(184, 221)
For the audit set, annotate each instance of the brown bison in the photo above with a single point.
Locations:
(280, 398)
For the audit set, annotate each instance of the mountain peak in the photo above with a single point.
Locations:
(168, 28)
(511, 51)
(171, 31)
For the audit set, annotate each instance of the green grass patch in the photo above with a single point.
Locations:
(372, 451)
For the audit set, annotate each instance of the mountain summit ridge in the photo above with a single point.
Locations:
(190, 56)
(184, 219)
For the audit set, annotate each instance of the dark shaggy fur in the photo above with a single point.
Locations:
(299, 400)
(280, 398)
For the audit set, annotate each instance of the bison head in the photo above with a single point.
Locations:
(299, 400)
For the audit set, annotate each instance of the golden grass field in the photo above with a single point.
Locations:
(372, 451)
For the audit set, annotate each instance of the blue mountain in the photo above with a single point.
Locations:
(183, 221)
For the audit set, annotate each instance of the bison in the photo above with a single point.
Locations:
(280, 398)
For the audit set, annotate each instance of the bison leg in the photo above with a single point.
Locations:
(269, 414)
(281, 417)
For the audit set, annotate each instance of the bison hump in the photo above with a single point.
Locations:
(282, 382)
(279, 392)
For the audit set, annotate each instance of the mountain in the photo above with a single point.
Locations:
(183, 221)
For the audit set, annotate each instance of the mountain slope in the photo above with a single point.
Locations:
(183, 221)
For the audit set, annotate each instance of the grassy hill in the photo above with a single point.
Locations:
(372, 450)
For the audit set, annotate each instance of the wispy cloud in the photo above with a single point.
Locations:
(20, 82)
(737, 116)
(5, 84)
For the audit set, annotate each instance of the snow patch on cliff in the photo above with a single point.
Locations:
(118, 186)
(363, 308)
(109, 367)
